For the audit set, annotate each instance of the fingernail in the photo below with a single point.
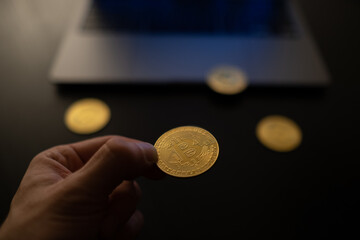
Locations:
(149, 151)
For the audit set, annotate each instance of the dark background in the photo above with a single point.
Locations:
(251, 192)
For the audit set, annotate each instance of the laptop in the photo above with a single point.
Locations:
(181, 41)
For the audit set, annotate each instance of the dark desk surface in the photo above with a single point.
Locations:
(251, 192)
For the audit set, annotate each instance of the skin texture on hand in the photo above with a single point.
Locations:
(84, 190)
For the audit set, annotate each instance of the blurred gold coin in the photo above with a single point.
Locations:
(279, 133)
(227, 80)
(186, 151)
(87, 116)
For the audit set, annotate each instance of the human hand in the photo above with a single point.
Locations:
(84, 190)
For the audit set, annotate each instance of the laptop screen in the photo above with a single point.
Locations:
(206, 17)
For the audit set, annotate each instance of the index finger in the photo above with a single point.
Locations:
(87, 148)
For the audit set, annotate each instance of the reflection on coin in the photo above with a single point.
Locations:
(186, 151)
(227, 80)
(87, 116)
(279, 133)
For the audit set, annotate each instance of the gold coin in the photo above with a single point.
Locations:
(186, 151)
(87, 116)
(279, 133)
(227, 80)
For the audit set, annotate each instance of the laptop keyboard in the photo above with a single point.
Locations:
(206, 17)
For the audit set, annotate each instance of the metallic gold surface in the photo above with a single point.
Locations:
(279, 133)
(227, 80)
(186, 151)
(87, 116)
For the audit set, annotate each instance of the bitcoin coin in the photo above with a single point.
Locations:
(227, 80)
(279, 133)
(87, 116)
(186, 151)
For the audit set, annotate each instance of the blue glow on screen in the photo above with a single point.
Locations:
(253, 17)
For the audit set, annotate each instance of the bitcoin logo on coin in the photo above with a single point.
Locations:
(186, 151)
(227, 80)
(87, 116)
(279, 133)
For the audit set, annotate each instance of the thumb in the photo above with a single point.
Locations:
(116, 160)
